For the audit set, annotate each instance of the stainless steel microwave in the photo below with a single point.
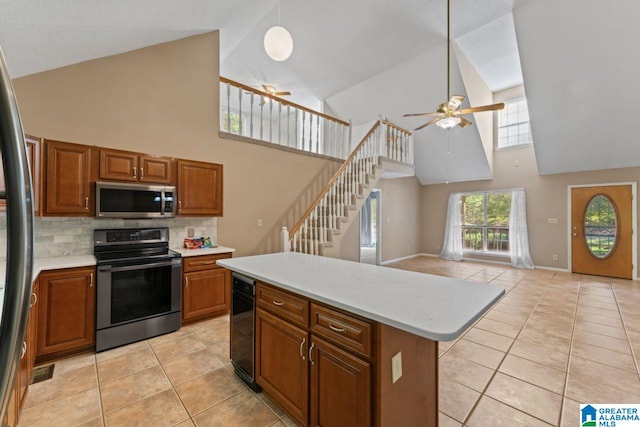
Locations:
(121, 200)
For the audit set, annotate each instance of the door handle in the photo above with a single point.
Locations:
(310, 350)
(302, 345)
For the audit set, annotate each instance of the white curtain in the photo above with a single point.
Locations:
(452, 245)
(518, 234)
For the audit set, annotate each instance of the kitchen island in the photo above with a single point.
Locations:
(344, 343)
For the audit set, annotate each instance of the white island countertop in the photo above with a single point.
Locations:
(433, 307)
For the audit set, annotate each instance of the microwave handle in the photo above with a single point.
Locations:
(163, 202)
(138, 266)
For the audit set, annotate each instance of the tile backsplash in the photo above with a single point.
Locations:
(62, 236)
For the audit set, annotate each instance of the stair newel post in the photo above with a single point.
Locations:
(284, 240)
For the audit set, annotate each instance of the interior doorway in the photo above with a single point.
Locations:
(602, 222)
(370, 233)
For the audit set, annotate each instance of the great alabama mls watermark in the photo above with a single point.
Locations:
(609, 415)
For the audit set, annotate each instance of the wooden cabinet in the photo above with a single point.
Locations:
(308, 365)
(340, 386)
(135, 167)
(33, 156)
(281, 363)
(206, 287)
(27, 362)
(66, 311)
(199, 188)
(67, 179)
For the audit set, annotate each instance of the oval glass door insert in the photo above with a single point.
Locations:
(600, 226)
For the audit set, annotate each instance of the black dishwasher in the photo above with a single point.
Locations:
(242, 328)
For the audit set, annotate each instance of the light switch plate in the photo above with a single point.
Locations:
(190, 232)
(396, 367)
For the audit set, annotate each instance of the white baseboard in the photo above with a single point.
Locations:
(559, 270)
(488, 261)
(391, 261)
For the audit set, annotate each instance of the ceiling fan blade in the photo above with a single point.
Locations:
(430, 122)
(464, 122)
(421, 114)
(492, 107)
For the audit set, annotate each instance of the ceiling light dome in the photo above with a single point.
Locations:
(448, 122)
(278, 43)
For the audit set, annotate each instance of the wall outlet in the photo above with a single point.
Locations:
(190, 232)
(552, 220)
(259, 222)
(555, 257)
(396, 367)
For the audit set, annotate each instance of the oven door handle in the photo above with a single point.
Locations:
(138, 266)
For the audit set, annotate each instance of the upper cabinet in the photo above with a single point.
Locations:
(135, 167)
(33, 156)
(199, 188)
(67, 178)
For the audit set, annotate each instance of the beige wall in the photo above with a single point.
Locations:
(546, 198)
(164, 100)
(400, 222)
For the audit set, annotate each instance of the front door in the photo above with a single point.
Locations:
(601, 230)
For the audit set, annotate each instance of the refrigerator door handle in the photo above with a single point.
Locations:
(17, 289)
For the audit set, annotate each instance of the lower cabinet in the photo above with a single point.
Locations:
(25, 368)
(206, 287)
(317, 380)
(66, 313)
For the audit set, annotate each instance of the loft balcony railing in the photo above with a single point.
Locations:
(251, 113)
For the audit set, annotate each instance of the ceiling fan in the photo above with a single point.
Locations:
(448, 114)
(270, 89)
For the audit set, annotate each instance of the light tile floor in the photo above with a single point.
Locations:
(554, 341)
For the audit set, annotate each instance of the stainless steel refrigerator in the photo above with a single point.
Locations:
(19, 247)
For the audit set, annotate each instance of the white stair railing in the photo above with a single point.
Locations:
(252, 113)
(311, 233)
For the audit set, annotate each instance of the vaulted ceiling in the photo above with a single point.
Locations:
(361, 58)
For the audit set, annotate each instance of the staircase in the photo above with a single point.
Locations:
(385, 148)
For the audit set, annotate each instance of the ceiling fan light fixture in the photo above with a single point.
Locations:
(278, 43)
(448, 122)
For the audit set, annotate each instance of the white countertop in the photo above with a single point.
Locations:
(434, 307)
(203, 251)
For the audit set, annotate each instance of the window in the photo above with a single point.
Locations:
(485, 222)
(513, 124)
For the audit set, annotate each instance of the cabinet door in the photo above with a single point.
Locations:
(33, 156)
(199, 188)
(157, 170)
(66, 311)
(340, 387)
(118, 165)
(281, 365)
(205, 293)
(67, 179)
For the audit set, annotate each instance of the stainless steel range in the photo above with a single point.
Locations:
(138, 285)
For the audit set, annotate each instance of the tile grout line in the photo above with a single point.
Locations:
(626, 332)
(473, 408)
(568, 365)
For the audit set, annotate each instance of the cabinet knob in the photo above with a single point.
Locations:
(278, 303)
(34, 299)
(24, 349)
(336, 329)
(91, 279)
(302, 345)
(179, 205)
(86, 203)
(141, 173)
(135, 172)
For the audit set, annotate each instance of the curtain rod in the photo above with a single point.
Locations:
(508, 190)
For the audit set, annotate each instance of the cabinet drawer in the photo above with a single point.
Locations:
(283, 304)
(341, 328)
(202, 262)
